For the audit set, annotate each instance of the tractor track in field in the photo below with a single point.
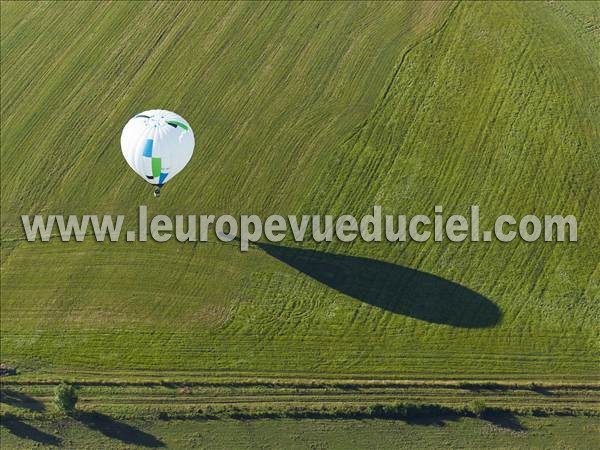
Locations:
(581, 399)
(371, 121)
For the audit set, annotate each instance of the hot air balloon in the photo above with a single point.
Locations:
(157, 145)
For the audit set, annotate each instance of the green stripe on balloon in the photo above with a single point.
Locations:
(176, 123)
(155, 167)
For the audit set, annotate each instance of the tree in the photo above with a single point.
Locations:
(65, 397)
(478, 407)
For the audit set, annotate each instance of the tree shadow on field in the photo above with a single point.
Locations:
(25, 431)
(21, 400)
(503, 419)
(544, 391)
(121, 431)
(394, 288)
(433, 420)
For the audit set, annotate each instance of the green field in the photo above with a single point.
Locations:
(312, 108)
(566, 433)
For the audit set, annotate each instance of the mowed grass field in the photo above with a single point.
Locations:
(571, 433)
(306, 108)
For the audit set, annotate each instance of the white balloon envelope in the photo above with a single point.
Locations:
(157, 145)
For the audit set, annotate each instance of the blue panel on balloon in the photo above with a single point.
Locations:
(148, 148)
(162, 177)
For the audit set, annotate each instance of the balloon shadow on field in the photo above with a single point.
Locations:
(115, 429)
(23, 430)
(391, 287)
